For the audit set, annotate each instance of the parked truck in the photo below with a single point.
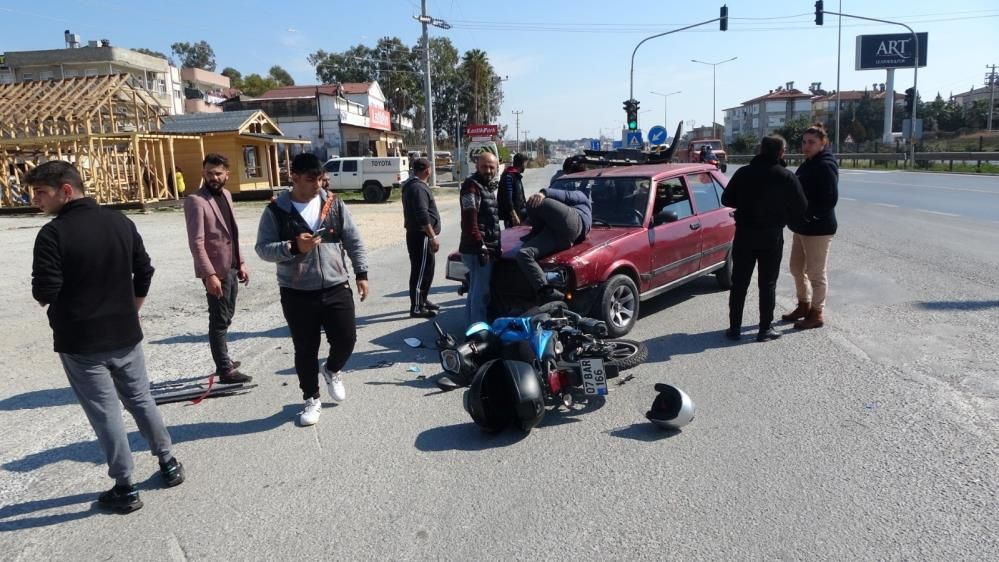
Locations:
(374, 177)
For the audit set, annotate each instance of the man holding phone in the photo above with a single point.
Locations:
(213, 236)
(307, 232)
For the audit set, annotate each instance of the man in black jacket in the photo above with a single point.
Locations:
(510, 196)
(92, 271)
(766, 196)
(423, 224)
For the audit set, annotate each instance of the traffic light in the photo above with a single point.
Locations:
(819, 10)
(723, 18)
(631, 111)
(910, 99)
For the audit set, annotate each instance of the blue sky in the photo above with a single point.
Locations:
(567, 61)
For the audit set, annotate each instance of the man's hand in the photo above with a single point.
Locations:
(213, 285)
(435, 244)
(535, 200)
(483, 256)
(514, 218)
(243, 275)
(138, 302)
(307, 242)
(362, 289)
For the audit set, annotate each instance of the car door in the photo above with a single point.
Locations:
(332, 168)
(349, 176)
(717, 221)
(675, 247)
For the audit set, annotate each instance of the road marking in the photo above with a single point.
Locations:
(889, 205)
(909, 185)
(938, 213)
(847, 199)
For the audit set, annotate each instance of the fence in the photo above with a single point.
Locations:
(891, 159)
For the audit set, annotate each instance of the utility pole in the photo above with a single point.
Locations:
(990, 80)
(517, 128)
(526, 132)
(428, 108)
(839, 50)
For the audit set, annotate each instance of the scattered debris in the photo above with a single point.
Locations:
(413, 342)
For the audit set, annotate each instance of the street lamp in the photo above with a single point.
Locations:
(713, 66)
(666, 105)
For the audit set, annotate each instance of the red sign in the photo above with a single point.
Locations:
(481, 130)
(379, 118)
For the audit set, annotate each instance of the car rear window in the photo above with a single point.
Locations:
(616, 201)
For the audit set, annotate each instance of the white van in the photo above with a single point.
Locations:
(374, 177)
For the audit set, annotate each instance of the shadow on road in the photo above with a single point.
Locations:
(278, 332)
(38, 399)
(646, 432)
(7, 512)
(464, 437)
(89, 451)
(966, 306)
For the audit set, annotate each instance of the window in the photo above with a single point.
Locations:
(251, 162)
(332, 166)
(671, 195)
(350, 165)
(705, 194)
(90, 72)
(616, 201)
(46, 75)
(27, 76)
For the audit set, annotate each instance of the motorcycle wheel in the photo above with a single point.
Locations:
(626, 353)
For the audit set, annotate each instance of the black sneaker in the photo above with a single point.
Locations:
(767, 335)
(121, 499)
(234, 377)
(733, 334)
(172, 473)
(550, 294)
(422, 313)
(431, 306)
(232, 367)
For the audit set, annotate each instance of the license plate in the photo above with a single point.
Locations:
(593, 375)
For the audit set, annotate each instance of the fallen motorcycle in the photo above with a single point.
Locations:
(566, 354)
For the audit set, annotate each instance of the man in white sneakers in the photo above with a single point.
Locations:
(307, 232)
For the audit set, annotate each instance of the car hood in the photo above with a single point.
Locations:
(597, 238)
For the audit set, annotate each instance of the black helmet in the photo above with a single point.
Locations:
(503, 393)
(672, 408)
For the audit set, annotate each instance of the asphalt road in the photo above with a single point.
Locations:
(872, 438)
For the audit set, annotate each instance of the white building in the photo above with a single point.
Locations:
(761, 116)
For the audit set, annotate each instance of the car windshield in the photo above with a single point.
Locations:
(715, 145)
(616, 201)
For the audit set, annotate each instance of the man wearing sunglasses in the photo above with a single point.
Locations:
(308, 232)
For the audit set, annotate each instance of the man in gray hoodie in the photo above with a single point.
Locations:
(307, 232)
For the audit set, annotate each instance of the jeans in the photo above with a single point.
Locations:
(554, 227)
(421, 268)
(220, 312)
(752, 246)
(307, 312)
(479, 277)
(103, 382)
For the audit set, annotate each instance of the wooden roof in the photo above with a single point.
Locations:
(76, 107)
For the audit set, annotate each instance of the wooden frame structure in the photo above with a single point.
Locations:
(105, 125)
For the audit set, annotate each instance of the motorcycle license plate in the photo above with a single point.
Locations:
(593, 375)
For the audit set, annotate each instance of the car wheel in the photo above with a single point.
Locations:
(724, 275)
(387, 194)
(373, 192)
(627, 353)
(619, 305)
(724, 168)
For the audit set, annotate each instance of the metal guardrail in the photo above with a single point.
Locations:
(899, 158)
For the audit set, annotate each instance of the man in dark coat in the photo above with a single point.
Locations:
(510, 197)
(766, 197)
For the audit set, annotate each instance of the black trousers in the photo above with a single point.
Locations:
(421, 267)
(307, 312)
(752, 246)
(220, 312)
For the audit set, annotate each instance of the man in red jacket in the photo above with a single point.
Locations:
(213, 236)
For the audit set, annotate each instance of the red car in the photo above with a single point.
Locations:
(655, 227)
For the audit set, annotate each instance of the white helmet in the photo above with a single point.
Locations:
(672, 408)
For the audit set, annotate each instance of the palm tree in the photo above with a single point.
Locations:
(477, 73)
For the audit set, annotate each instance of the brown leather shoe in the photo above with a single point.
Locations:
(813, 320)
(798, 313)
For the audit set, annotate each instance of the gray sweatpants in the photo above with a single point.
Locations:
(99, 381)
(554, 227)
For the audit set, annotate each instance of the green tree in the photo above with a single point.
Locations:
(153, 53)
(235, 77)
(352, 65)
(744, 143)
(255, 84)
(793, 130)
(281, 76)
(195, 55)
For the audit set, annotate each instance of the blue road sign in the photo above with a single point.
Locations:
(594, 144)
(616, 145)
(658, 135)
(633, 139)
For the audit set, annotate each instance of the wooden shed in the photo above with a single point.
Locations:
(251, 141)
(105, 125)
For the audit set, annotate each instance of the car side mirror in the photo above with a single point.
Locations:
(665, 216)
